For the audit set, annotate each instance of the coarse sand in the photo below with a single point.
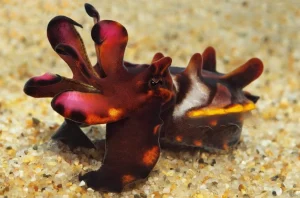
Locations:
(265, 164)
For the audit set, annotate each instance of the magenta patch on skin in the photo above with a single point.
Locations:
(43, 80)
(111, 30)
(74, 99)
(96, 108)
(46, 77)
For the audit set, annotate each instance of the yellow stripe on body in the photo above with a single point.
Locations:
(237, 108)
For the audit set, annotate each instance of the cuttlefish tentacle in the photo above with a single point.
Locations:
(110, 39)
(49, 85)
(88, 108)
(92, 12)
(61, 31)
(86, 71)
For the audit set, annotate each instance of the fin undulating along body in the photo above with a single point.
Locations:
(142, 104)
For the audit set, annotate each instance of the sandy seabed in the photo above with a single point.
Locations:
(265, 164)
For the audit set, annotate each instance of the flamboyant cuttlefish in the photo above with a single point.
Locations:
(143, 105)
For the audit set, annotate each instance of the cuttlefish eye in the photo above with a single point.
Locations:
(154, 82)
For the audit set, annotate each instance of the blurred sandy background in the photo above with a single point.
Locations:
(266, 163)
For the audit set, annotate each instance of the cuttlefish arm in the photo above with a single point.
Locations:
(67, 43)
(49, 85)
(88, 108)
